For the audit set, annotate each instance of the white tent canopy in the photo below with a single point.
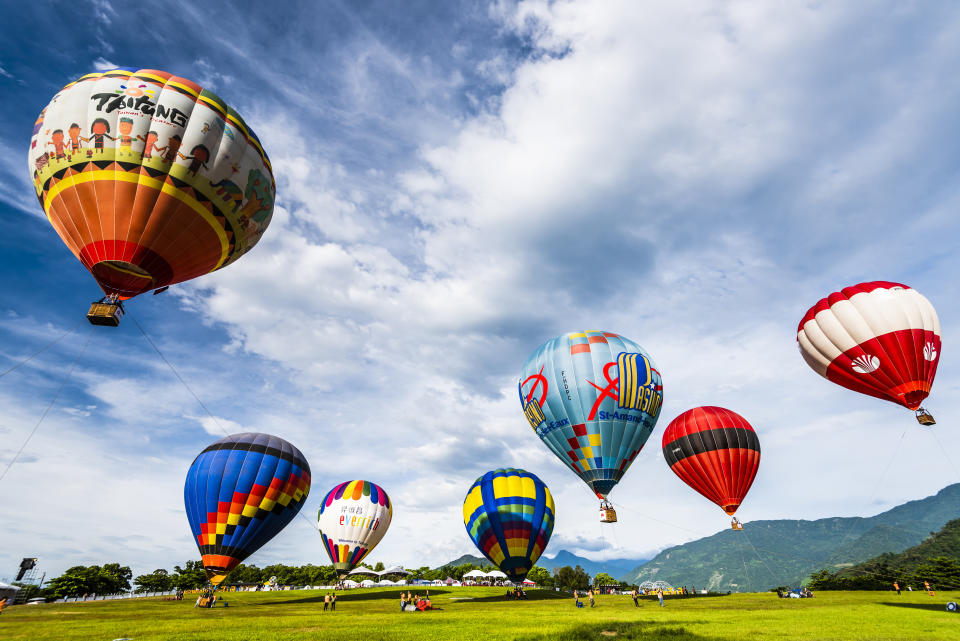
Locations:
(396, 569)
(480, 574)
(7, 590)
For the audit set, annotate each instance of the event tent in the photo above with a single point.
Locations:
(8, 591)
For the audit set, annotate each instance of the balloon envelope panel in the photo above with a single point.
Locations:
(716, 452)
(593, 398)
(509, 514)
(239, 493)
(879, 338)
(148, 178)
(352, 519)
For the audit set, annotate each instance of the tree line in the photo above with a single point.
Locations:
(935, 560)
(112, 578)
(941, 572)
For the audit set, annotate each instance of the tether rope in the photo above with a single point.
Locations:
(41, 350)
(53, 400)
(197, 398)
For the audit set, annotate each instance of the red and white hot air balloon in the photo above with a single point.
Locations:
(881, 339)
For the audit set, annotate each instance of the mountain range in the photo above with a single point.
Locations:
(613, 567)
(766, 554)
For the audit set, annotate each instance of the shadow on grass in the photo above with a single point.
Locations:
(608, 631)
(532, 595)
(937, 607)
(356, 595)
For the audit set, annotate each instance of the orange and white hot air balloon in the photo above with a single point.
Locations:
(878, 338)
(149, 179)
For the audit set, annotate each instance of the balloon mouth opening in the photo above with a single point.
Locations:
(914, 399)
(215, 577)
(731, 509)
(125, 268)
(123, 278)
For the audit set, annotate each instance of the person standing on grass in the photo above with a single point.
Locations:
(326, 602)
(930, 591)
(660, 596)
(590, 594)
(635, 596)
(333, 601)
(896, 586)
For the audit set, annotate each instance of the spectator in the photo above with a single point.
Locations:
(326, 602)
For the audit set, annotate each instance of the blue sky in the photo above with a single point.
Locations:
(456, 184)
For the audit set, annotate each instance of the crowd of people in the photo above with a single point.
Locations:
(517, 593)
(208, 599)
(414, 602)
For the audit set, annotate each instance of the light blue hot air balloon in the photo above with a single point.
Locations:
(593, 398)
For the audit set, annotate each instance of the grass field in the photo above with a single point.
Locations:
(477, 614)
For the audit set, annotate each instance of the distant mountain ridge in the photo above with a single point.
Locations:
(613, 567)
(784, 552)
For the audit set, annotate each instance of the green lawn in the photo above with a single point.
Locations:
(475, 614)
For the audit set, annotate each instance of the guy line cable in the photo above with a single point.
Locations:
(53, 400)
(197, 398)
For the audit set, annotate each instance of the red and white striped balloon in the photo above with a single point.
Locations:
(881, 339)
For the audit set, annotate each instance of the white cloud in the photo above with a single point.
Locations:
(102, 64)
(693, 176)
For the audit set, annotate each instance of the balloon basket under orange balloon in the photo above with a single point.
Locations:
(924, 417)
(107, 314)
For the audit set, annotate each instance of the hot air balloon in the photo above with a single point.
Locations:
(149, 180)
(593, 398)
(353, 518)
(716, 452)
(509, 514)
(881, 339)
(240, 492)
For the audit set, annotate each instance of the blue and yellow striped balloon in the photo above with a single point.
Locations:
(509, 514)
(593, 398)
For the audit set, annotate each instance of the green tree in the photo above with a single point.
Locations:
(603, 578)
(246, 574)
(190, 577)
(458, 571)
(541, 576)
(572, 578)
(942, 572)
(93, 579)
(157, 581)
(379, 567)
